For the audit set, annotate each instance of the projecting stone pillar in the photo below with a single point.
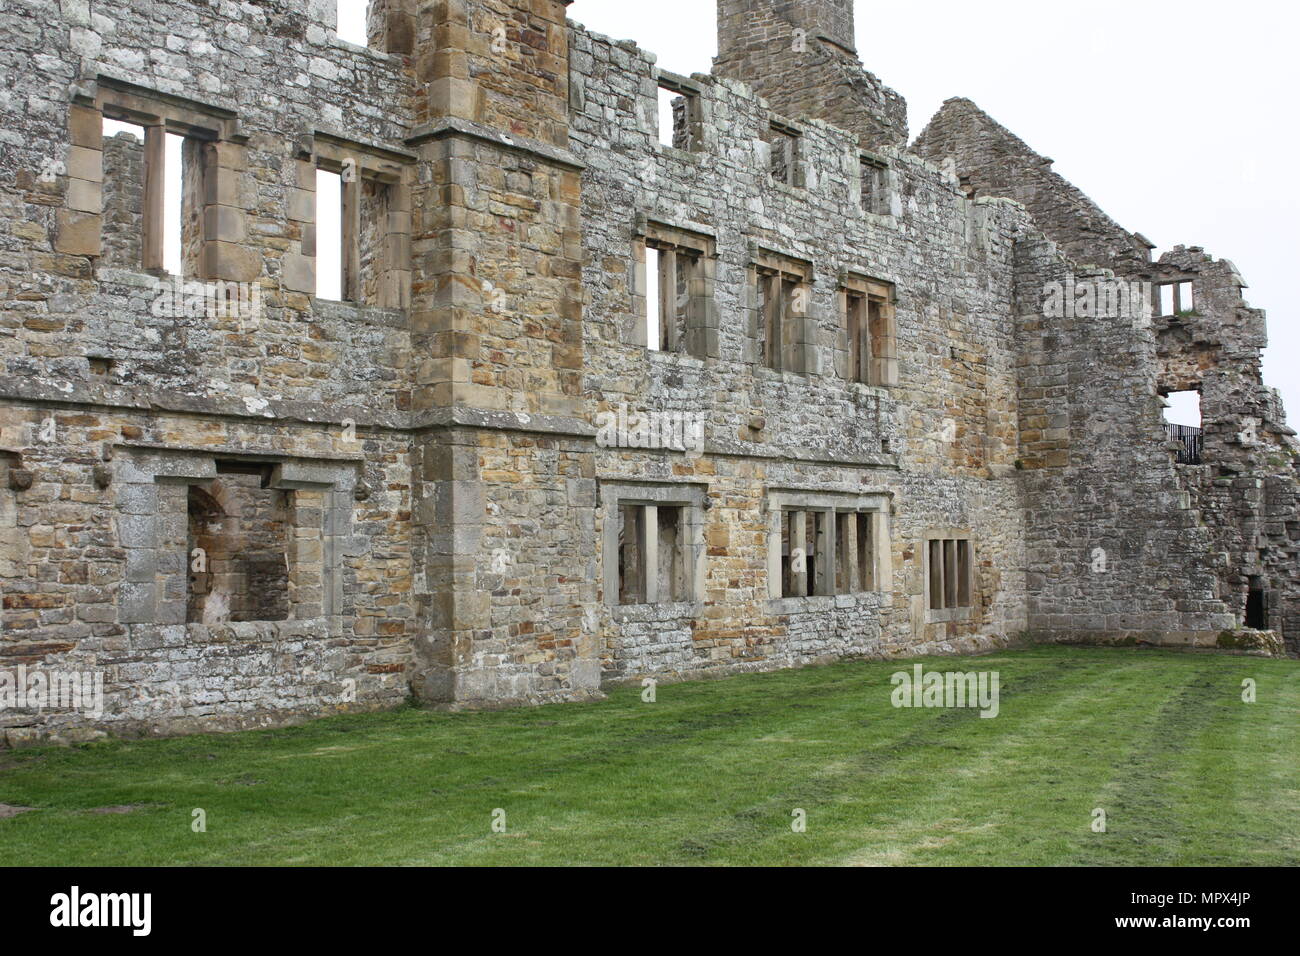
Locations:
(496, 322)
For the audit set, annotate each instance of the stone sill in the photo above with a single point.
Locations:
(820, 603)
(693, 156)
(949, 616)
(679, 359)
(650, 613)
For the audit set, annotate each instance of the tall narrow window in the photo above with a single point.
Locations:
(869, 331)
(874, 198)
(123, 230)
(783, 154)
(679, 112)
(854, 553)
(631, 555)
(654, 311)
(667, 117)
(794, 554)
(781, 299)
(950, 573)
(329, 235)
(859, 337)
(676, 287)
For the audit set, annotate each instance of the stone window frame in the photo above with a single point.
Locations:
(831, 503)
(356, 162)
(152, 507)
(13, 478)
(874, 192)
(781, 132)
(692, 94)
(221, 162)
(692, 499)
(876, 339)
(772, 316)
(698, 322)
(1176, 285)
(969, 580)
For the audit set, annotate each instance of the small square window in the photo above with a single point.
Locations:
(654, 548)
(1175, 299)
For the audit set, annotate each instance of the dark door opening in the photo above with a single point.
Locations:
(1256, 608)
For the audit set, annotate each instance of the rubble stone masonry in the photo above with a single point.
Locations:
(244, 504)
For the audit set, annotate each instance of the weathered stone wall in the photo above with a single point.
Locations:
(950, 422)
(1236, 511)
(990, 160)
(419, 473)
(98, 363)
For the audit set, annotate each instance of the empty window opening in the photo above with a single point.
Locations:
(673, 280)
(782, 305)
(329, 235)
(671, 119)
(1257, 606)
(804, 539)
(654, 324)
(783, 160)
(352, 21)
(1183, 426)
(859, 337)
(237, 551)
(672, 566)
(652, 554)
(794, 554)
(669, 274)
(361, 251)
(1175, 299)
(950, 572)
(874, 198)
(854, 553)
(182, 211)
(123, 229)
(153, 199)
(869, 327)
(679, 123)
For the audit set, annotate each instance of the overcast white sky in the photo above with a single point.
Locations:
(1178, 119)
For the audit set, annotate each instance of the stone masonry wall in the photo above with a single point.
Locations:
(950, 423)
(421, 473)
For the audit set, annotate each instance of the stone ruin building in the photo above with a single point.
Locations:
(586, 407)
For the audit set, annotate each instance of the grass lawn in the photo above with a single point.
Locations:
(710, 774)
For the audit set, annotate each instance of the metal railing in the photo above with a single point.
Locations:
(1192, 441)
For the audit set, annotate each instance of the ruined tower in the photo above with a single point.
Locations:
(802, 57)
